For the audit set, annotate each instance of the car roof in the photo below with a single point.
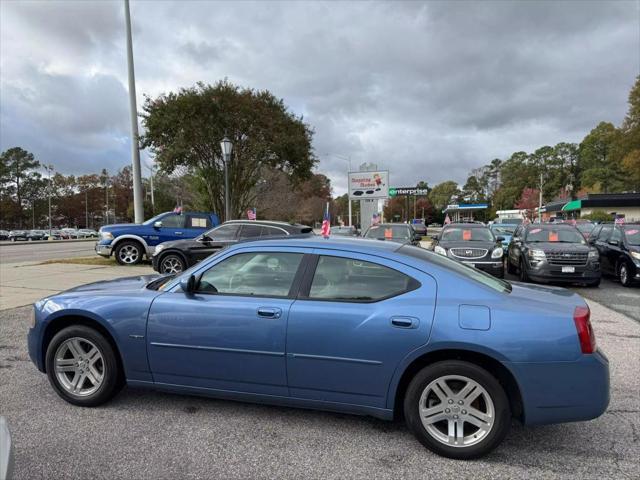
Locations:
(267, 222)
(360, 245)
(391, 225)
(545, 226)
(466, 225)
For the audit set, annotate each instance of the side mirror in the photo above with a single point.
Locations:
(614, 242)
(435, 237)
(205, 239)
(188, 284)
(157, 224)
(500, 239)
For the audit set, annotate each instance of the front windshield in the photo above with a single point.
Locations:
(554, 235)
(503, 229)
(467, 234)
(460, 268)
(632, 232)
(389, 232)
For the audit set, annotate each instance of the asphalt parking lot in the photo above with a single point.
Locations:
(144, 434)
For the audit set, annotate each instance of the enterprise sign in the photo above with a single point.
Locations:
(404, 191)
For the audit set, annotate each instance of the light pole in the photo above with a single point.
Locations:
(540, 199)
(153, 202)
(49, 169)
(138, 207)
(226, 146)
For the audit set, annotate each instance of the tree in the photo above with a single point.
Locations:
(528, 201)
(17, 166)
(473, 190)
(184, 129)
(628, 145)
(443, 194)
(600, 167)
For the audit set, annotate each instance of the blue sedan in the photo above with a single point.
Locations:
(355, 326)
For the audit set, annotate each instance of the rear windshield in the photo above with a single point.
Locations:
(461, 234)
(632, 232)
(467, 271)
(554, 235)
(389, 232)
(503, 229)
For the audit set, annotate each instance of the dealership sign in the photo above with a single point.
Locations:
(368, 184)
(406, 191)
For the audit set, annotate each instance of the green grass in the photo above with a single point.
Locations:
(83, 261)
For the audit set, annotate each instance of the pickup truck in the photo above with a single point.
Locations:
(130, 242)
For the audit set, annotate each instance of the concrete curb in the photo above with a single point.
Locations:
(6, 243)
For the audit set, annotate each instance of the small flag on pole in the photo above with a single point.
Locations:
(326, 224)
(447, 220)
(251, 214)
(178, 209)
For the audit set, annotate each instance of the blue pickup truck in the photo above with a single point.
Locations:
(130, 242)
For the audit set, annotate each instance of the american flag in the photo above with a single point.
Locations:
(619, 221)
(326, 224)
(251, 214)
(447, 220)
(178, 209)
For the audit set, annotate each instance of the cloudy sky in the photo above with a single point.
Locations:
(428, 90)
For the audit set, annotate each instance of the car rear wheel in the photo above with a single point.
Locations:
(624, 275)
(172, 264)
(82, 366)
(128, 253)
(457, 409)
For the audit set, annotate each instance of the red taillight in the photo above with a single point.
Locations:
(585, 331)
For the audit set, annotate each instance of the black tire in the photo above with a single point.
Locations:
(524, 276)
(501, 409)
(624, 274)
(112, 379)
(171, 263)
(124, 252)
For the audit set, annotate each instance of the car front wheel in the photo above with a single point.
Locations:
(624, 275)
(128, 253)
(172, 264)
(82, 366)
(457, 409)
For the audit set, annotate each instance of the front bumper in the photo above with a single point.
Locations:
(495, 268)
(103, 249)
(554, 273)
(556, 392)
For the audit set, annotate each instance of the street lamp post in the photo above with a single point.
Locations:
(49, 169)
(226, 146)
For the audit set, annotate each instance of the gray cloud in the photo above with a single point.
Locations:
(428, 90)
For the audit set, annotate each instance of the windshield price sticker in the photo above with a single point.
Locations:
(466, 235)
(388, 233)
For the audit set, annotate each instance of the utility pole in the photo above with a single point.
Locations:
(49, 169)
(138, 206)
(153, 202)
(106, 200)
(540, 201)
(86, 210)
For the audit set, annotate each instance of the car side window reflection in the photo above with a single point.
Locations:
(266, 274)
(173, 221)
(347, 279)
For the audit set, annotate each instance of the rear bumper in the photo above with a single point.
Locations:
(556, 392)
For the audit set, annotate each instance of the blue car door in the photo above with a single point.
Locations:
(356, 317)
(173, 228)
(230, 334)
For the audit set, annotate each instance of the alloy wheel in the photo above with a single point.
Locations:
(456, 411)
(128, 254)
(171, 265)
(79, 366)
(624, 274)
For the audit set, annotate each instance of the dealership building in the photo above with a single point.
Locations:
(618, 205)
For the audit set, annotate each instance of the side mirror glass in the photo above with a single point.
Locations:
(500, 239)
(188, 284)
(157, 224)
(614, 242)
(205, 239)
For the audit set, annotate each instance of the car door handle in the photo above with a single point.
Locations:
(268, 312)
(178, 233)
(405, 322)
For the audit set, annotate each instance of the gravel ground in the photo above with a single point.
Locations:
(154, 435)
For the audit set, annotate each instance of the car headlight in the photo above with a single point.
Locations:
(594, 254)
(158, 249)
(636, 255)
(440, 250)
(497, 253)
(106, 235)
(536, 254)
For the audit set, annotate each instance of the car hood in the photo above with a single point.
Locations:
(117, 285)
(180, 244)
(118, 226)
(558, 246)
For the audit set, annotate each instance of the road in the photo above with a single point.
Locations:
(146, 434)
(18, 252)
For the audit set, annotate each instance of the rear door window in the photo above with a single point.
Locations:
(604, 234)
(348, 279)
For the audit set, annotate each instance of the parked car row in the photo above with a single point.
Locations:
(54, 234)
(558, 252)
